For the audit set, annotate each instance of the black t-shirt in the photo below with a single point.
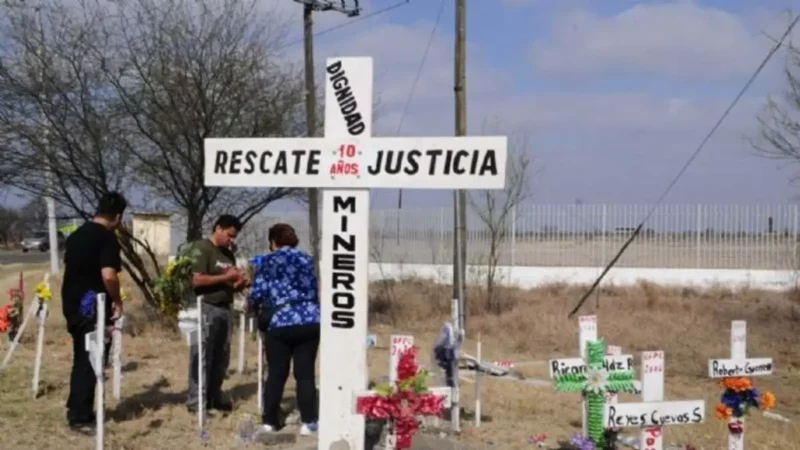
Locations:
(88, 250)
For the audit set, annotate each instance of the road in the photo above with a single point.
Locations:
(17, 257)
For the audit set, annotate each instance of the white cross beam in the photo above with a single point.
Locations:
(739, 365)
(350, 161)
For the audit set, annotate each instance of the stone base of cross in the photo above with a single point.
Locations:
(348, 162)
(739, 365)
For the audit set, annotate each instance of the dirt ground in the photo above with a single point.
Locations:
(527, 327)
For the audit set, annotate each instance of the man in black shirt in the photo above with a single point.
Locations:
(92, 261)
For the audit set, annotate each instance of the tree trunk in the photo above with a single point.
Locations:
(194, 225)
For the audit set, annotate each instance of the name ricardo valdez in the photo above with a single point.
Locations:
(482, 162)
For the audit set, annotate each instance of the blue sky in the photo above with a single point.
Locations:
(614, 95)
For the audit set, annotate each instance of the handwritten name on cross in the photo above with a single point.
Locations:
(739, 365)
(347, 158)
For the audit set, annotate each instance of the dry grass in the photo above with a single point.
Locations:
(690, 326)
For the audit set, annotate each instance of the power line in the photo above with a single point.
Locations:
(348, 23)
(691, 159)
(413, 90)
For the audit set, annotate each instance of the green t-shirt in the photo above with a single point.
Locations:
(212, 260)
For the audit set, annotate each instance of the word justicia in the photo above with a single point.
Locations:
(720, 369)
(652, 418)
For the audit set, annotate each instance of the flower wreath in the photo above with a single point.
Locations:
(402, 403)
(738, 398)
(174, 286)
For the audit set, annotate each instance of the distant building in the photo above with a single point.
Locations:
(154, 230)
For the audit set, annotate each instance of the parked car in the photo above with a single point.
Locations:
(39, 240)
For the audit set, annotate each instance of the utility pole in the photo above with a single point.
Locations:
(309, 6)
(460, 196)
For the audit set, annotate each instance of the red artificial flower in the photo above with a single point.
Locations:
(5, 322)
(407, 365)
(736, 427)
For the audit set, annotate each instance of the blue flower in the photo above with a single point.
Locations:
(88, 304)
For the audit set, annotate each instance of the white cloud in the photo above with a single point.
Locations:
(681, 39)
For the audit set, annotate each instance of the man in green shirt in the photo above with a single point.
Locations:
(216, 278)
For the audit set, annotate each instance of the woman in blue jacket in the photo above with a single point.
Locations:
(284, 293)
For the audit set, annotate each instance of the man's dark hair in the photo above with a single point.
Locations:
(111, 205)
(283, 235)
(226, 221)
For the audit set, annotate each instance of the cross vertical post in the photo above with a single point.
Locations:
(116, 346)
(739, 365)
(95, 343)
(652, 391)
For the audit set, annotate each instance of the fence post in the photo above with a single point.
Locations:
(513, 236)
(698, 236)
(604, 232)
(794, 261)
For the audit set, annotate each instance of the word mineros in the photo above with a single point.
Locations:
(727, 368)
(652, 418)
(343, 276)
(577, 366)
(345, 99)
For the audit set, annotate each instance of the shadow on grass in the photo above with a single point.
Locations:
(243, 392)
(152, 398)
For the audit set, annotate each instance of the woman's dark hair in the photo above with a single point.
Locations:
(283, 235)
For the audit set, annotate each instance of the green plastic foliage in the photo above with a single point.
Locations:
(595, 402)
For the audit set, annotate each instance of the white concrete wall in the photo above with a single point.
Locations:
(529, 277)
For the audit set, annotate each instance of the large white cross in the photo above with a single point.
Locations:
(739, 365)
(350, 162)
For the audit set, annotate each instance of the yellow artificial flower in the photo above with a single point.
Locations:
(170, 268)
(43, 292)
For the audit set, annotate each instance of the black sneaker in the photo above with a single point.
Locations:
(87, 428)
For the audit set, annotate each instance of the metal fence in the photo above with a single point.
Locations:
(676, 236)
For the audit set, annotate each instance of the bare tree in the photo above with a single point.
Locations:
(187, 70)
(495, 208)
(119, 97)
(779, 122)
